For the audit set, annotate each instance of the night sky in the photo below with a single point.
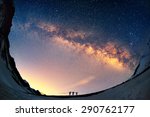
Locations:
(78, 45)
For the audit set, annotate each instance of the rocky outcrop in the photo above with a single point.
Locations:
(12, 85)
(6, 14)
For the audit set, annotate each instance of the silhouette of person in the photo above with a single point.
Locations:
(69, 93)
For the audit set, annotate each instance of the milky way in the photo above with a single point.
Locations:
(78, 45)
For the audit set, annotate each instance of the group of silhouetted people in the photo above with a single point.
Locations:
(73, 93)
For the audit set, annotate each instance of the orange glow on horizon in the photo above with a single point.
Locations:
(37, 83)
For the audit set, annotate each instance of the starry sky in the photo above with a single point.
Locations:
(78, 45)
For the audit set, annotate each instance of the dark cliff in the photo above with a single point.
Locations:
(6, 14)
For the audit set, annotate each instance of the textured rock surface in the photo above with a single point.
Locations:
(6, 14)
(12, 86)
